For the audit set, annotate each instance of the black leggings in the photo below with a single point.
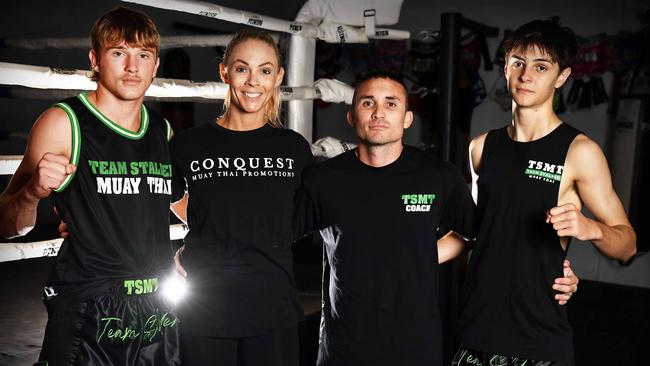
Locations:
(276, 349)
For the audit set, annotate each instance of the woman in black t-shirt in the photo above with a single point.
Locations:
(234, 182)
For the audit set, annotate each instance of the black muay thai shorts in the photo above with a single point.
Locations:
(467, 357)
(127, 323)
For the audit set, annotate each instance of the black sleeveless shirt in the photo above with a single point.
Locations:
(116, 204)
(508, 301)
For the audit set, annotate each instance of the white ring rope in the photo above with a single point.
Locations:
(67, 80)
(9, 164)
(326, 147)
(84, 43)
(20, 92)
(326, 31)
(50, 248)
(41, 77)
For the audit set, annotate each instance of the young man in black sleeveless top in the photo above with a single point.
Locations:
(104, 157)
(531, 179)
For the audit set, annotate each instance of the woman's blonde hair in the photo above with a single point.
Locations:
(272, 107)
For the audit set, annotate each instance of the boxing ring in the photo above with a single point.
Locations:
(29, 261)
(28, 81)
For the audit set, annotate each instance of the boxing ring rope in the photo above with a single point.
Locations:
(9, 164)
(326, 31)
(40, 77)
(45, 82)
(84, 43)
(72, 80)
(303, 46)
(50, 248)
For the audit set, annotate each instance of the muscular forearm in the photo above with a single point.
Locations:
(17, 213)
(618, 242)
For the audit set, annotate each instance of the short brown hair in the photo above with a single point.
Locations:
(558, 42)
(122, 24)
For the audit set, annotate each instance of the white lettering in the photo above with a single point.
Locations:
(268, 163)
(257, 162)
(418, 208)
(224, 163)
(240, 164)
(549, 167)
(104, 185)
(208, 164)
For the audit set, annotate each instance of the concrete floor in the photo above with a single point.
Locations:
(611, 322)
(23, 315)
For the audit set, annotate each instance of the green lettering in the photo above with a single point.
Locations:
(93, 166)
(148, 286)
(129, 333)
(103, 167)
(112, 168)
(121, 167)
(165, 170)
(129, 285)
(138, 287)
(153, 168)
(108, 321)
(405, 198)
(413, 199)
(167, 322)
(134, 168)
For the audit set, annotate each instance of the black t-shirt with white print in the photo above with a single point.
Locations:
(241, 187)
(380, 227)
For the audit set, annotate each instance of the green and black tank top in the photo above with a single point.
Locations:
(116, 204)
(508, 303)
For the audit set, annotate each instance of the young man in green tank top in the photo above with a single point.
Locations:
(102, 287)
(123, 73)
(501, 322)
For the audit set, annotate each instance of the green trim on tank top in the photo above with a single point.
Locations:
(169, 129)
(76, 142)
(144, 123)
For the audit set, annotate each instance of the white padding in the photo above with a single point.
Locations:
(186, 88)
(304, 29)
(351, 12)
(178, 231)
(50, 248)
(9, 164)
(49, 78)
(329, 147)
(369, 22)
(332, 90)
(232, 15)
(38, 249)
(84, 43)
(45, 77)
(338, 33)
